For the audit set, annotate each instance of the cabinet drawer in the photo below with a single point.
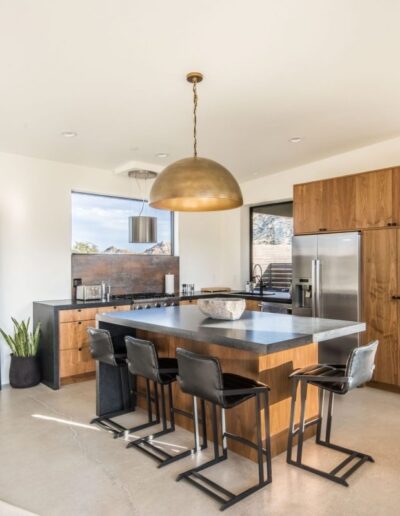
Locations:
(75, 361)
(87, 314)
(121, 308)
(253, 304)
(73, 335)
(78, 314)
(188, 302)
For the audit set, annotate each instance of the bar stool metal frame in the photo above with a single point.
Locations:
(142, 360)
(102, 350)
(336, 379)
(209, 371)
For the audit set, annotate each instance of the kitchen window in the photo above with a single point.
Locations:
(271, 231)
(100, 226)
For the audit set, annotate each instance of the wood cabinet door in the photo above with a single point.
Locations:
(380, 284)
(253, 304)
(74, 334)
(396, 195)
(374, 199)
(307, 208)
(76, 361)
(339, 204)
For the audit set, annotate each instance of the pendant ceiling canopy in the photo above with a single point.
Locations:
(195, 184)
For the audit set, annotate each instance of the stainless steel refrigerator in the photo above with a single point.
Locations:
(327, 283)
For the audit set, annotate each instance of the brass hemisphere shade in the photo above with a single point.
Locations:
(195, 184)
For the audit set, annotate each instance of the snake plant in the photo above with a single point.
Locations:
(23, 343)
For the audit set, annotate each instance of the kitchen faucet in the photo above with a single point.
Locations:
(259, 277)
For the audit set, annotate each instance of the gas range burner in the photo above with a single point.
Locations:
(143, 300)
(138, 296)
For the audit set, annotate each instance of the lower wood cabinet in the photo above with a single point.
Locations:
(74, 354)
(253, 304)
(76, 361)
(64, 345)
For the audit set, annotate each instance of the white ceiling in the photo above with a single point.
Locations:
(114, 71)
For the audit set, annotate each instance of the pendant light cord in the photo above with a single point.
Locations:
(143, 196)
(195, 118)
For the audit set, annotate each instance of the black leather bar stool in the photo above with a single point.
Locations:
(201, 376)
(143, 361)
(118, 385)
(334, 379)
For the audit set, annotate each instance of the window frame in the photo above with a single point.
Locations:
(172, 224)
(252, 209)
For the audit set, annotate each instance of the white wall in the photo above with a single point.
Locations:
(35, 231)
(279, 187)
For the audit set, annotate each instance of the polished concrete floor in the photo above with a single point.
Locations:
(53, 463)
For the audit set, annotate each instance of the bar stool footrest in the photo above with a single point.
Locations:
(230, 498)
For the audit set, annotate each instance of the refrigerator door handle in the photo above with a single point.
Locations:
(314, 289)
(318, 288)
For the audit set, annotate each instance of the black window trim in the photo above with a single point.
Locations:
(130, 199)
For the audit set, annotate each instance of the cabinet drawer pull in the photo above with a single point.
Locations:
(79, 322)
(79, 349)
(322, 229)
(395, 297)
(79, 309)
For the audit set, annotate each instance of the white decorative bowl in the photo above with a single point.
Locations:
(222, 308)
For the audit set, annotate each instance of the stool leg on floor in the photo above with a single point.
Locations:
(291, 423)
(352, 454)
(267, 437)
(126, 389)
(145, 444)
(303, 399)
(223, 496)
(321, 399)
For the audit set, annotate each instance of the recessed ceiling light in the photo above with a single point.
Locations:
(69, 134)
(162, 155)
(295, 139)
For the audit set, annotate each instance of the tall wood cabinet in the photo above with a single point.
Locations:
(381, 281)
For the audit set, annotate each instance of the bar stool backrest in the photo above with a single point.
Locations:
(101, 346)
(200, 375)
(142, 358)
(361, 364)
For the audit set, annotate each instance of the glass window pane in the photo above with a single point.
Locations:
(100, 225)
(271, 243)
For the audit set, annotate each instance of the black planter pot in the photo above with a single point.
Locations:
(24, 372)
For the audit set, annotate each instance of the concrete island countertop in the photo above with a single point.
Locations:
(259, 332)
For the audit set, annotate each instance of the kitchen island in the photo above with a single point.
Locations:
(263, 346)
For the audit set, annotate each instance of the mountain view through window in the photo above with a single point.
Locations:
(100, 225)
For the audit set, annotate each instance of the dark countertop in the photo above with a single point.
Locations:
(272, 297)
(69, 304)
(258, 332)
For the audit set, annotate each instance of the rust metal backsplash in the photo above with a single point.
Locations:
(126, 273)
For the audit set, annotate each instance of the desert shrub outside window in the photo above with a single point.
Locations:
(100, 225)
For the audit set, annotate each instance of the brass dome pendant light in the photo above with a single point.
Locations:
(195, 184)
